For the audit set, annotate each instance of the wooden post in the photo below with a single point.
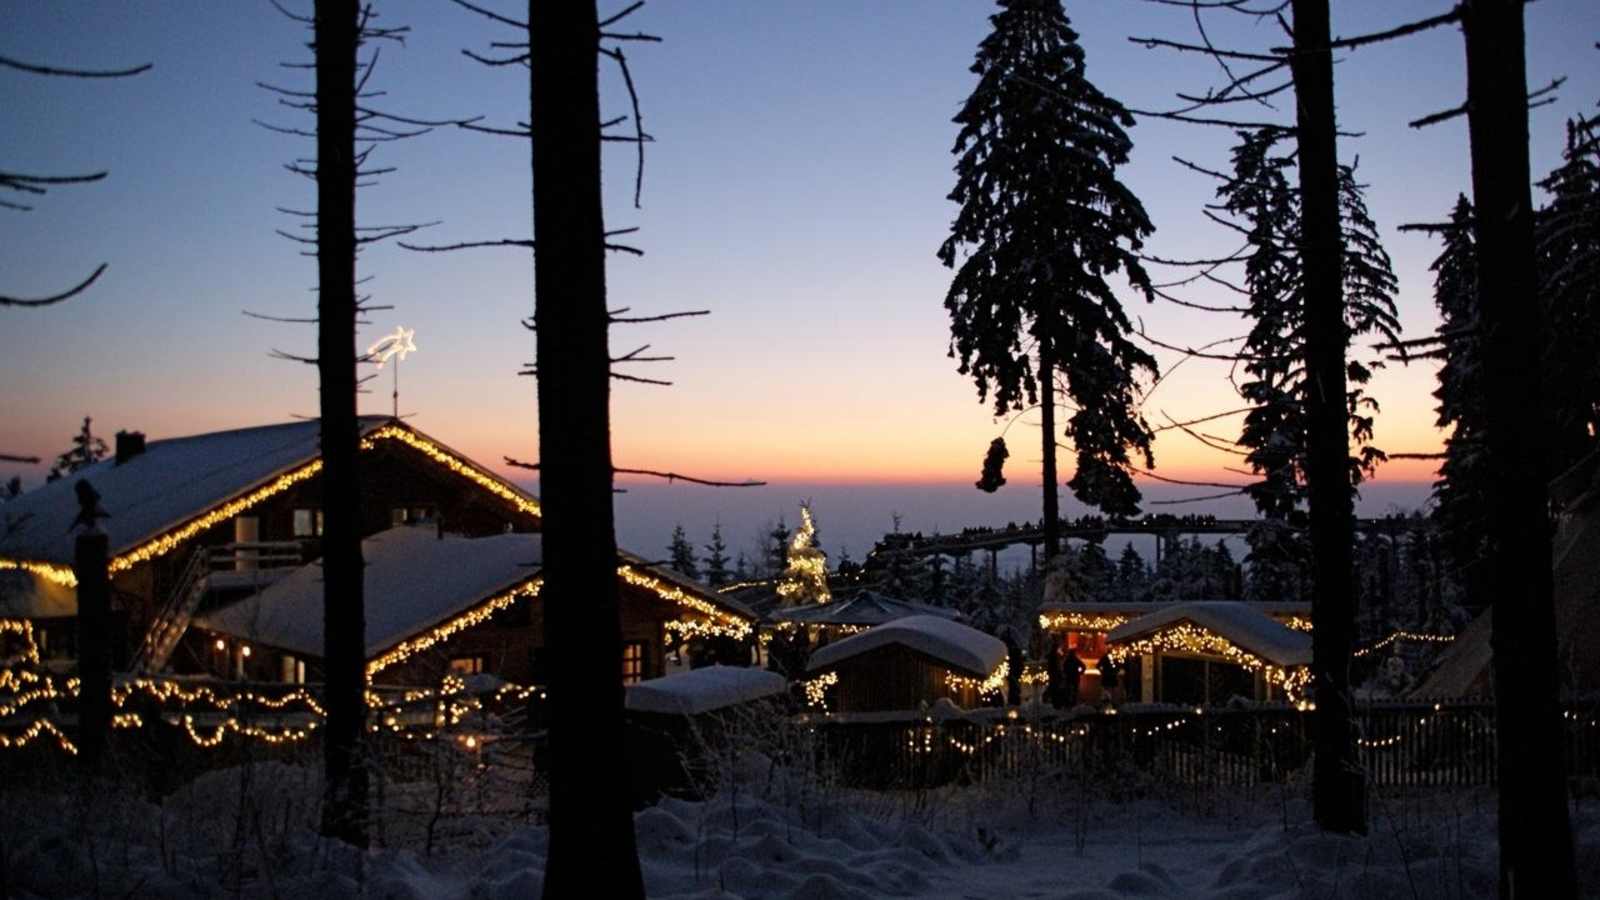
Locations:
(89, 564)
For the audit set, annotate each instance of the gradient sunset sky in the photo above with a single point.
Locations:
(797, 189)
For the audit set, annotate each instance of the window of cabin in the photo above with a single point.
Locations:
(292, 670)
(410, 515)
(468, 665)
(307, 523)
(633, 662)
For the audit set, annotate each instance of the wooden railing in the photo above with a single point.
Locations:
(1400, 744)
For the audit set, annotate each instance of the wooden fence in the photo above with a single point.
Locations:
(1400, 744)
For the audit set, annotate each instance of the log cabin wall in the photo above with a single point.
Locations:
(894, 678)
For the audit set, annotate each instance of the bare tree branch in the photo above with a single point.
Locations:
(57, 298)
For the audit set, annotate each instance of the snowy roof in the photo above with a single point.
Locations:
(952, 643)
(1463, 667)
(703, 690)
(1241, 623)
(172, 481)
(689, 585)
(414, 580)
(865, 608)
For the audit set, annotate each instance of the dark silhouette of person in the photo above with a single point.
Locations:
(1052, 691)
(1109, 676)
(1071, 670)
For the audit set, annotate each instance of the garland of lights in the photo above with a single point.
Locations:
(817, 689)
(1035, 673)
(1405, 636)
(61, 575)
(1186, 637)
(1079, 621)
(986, 687)
(171, 540)
(731, 625)
(443, 632)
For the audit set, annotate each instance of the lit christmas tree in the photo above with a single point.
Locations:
(805, 578)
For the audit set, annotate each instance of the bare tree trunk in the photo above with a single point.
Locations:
(94, 647)
(344, 812)
(1338, 796)
(1536, 854)
(592, 849)
(1052, 502)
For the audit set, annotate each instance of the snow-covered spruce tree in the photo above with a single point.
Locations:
(1460, 494)
(1567, 232)
(1043, 222)
(681, 554)
(1266, 208)
(86, 450)
(717, 572)
(775, 552)
(805, 575)
(1133, 576)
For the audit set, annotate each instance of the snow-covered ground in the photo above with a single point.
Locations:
(776, 836)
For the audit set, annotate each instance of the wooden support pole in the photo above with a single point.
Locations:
(89, 564)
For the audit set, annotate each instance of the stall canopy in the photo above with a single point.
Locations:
(953, 644)
(1239, 624)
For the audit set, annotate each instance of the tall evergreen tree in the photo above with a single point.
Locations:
(1043, 222)
(1277, 387)
(717, 572)
(1461, 492)
(86, 450)
(1133, 576)
(805, 574)
(681, 554)
(1567, 232)
(775, 551)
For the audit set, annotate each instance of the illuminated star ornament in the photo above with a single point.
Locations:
(395, 346)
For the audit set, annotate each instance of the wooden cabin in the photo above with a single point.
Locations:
(1081, 628)
(906, 664)
(198, 520)
(441, 603)
(1205, 653)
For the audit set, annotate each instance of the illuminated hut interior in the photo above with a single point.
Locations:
(1082, 628)
(1209, 653)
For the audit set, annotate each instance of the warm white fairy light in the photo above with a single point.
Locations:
(1187, 637)
(817, 689)
(443, 632)
(1406, 636)
(61, 575)
(990, 686)
(1069, 620)
(395, 346)
(168, 541)
(806, 578)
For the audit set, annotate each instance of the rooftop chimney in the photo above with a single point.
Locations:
(129, 445)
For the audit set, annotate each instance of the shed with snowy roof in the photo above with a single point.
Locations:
(438, 603)
(1209, 652)
(906, 663)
